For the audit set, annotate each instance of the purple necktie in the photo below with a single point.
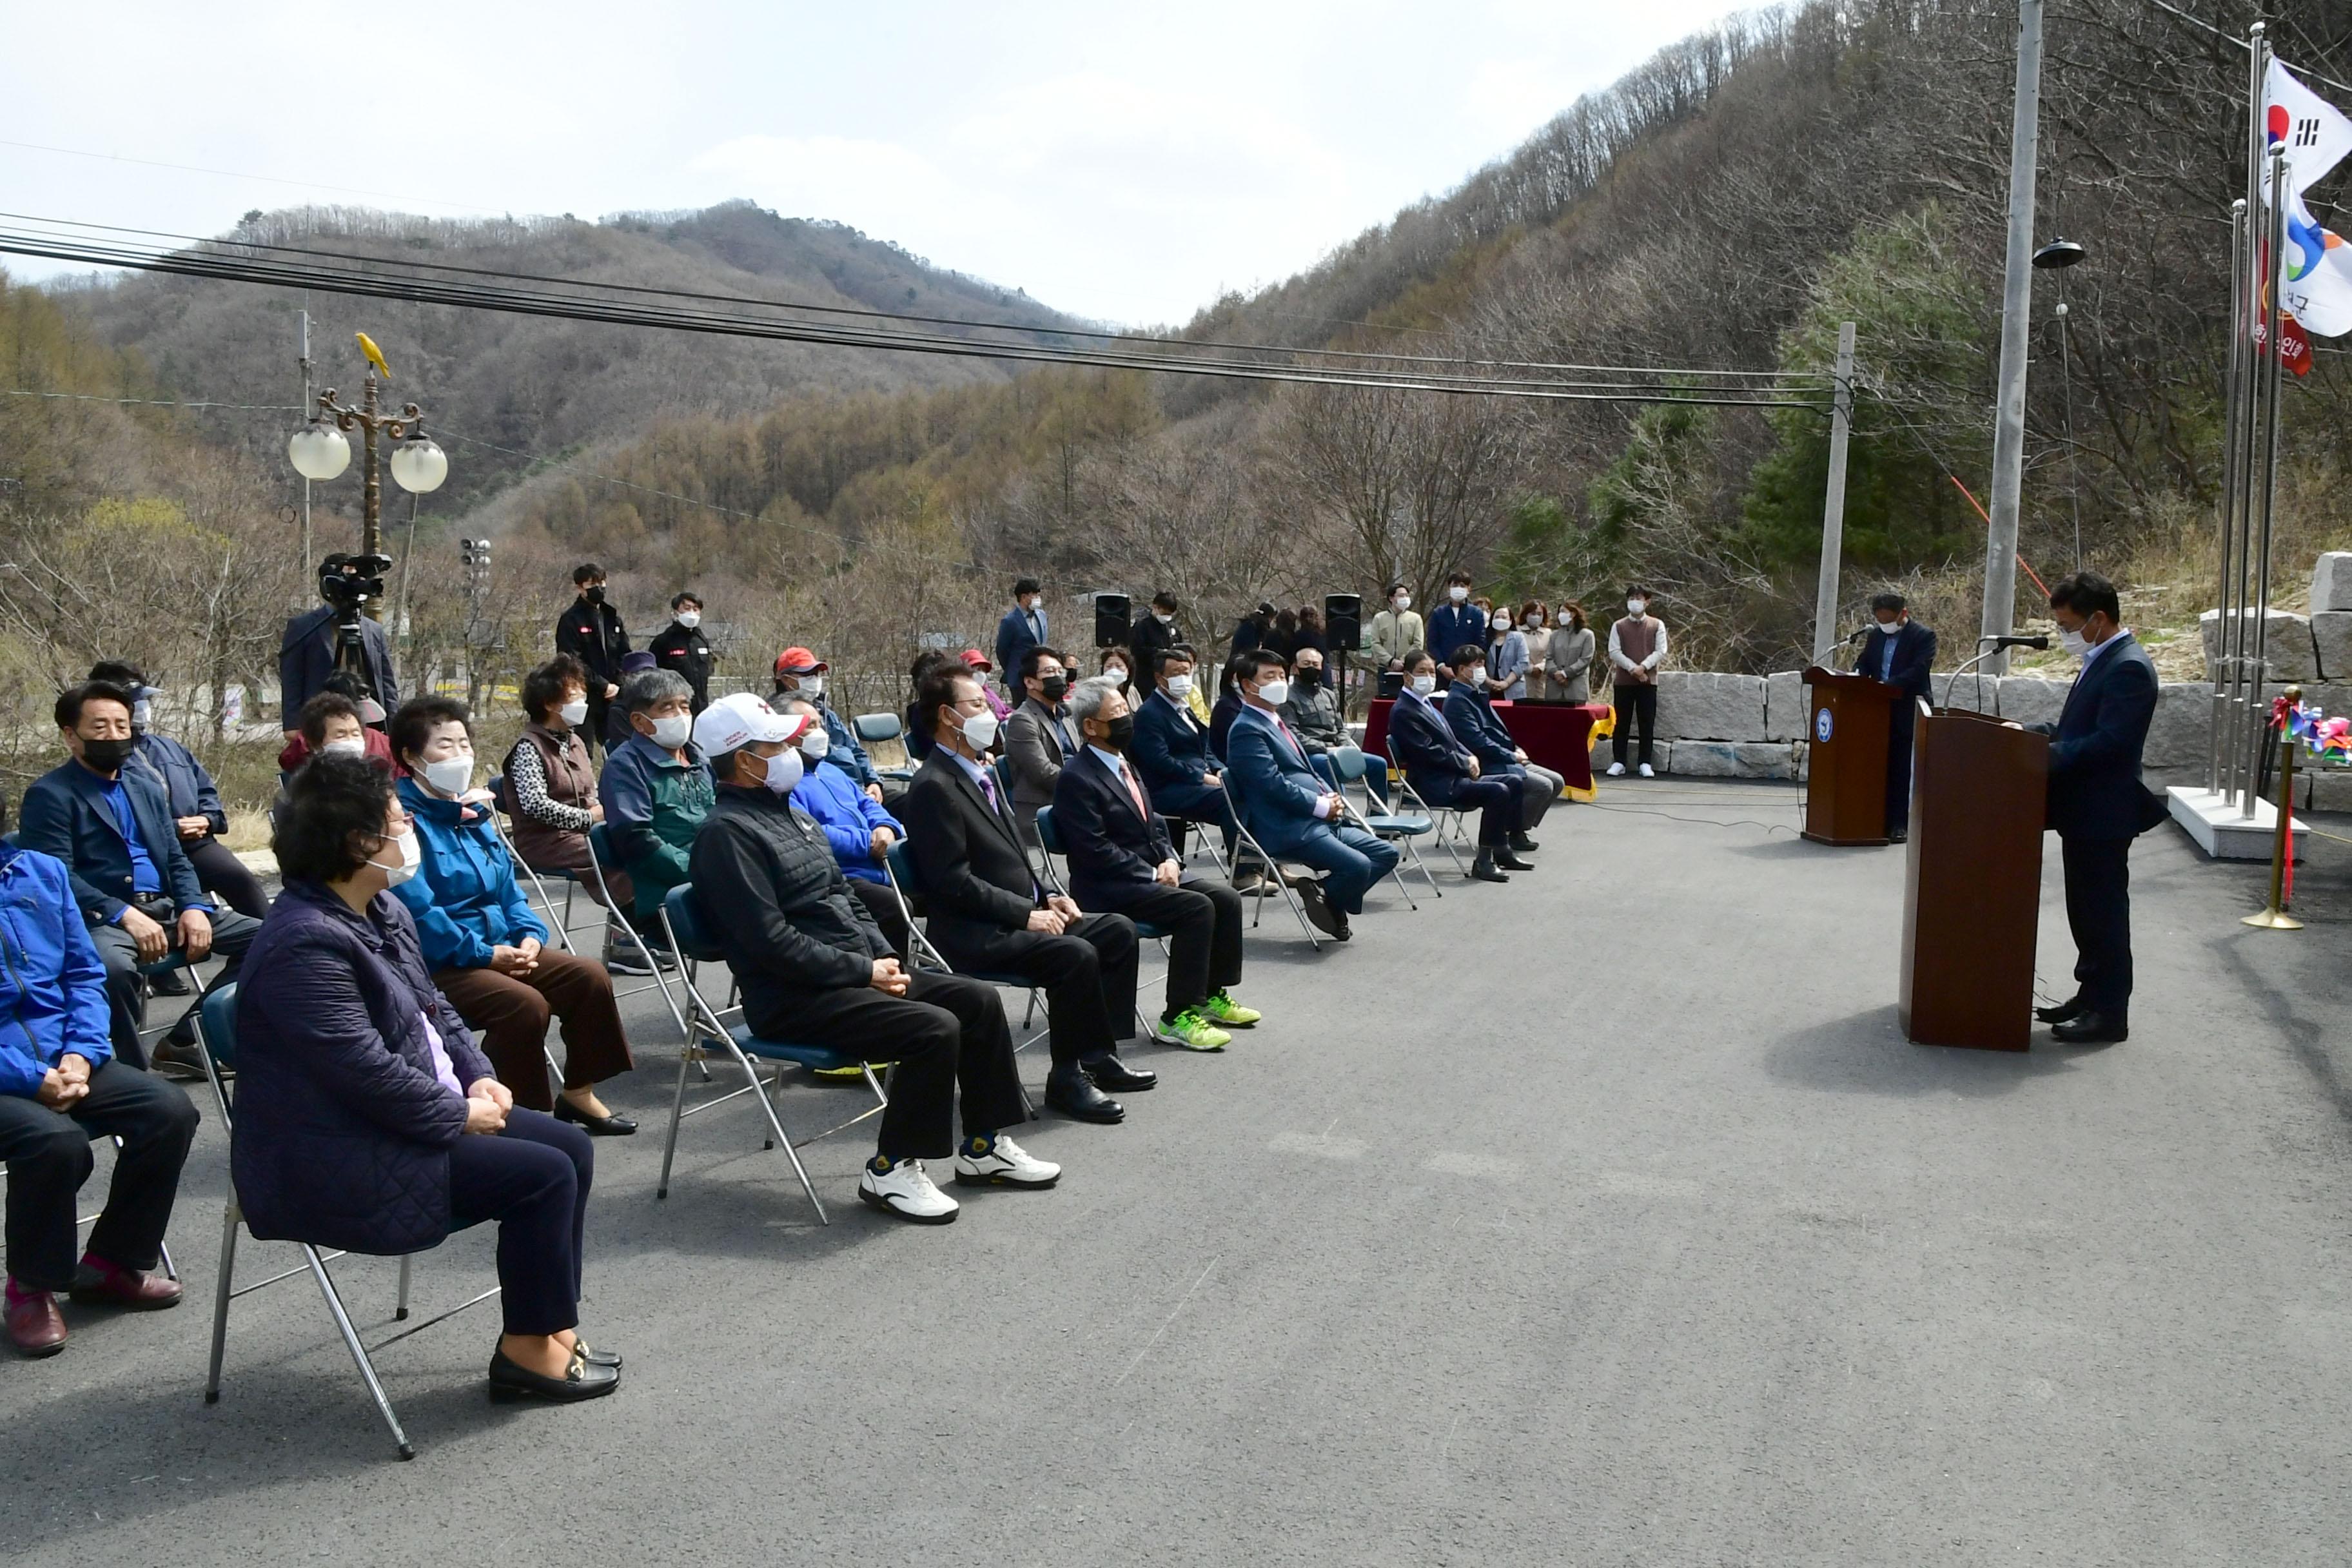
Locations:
(988, 790)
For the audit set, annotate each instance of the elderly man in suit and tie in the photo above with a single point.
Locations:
(1900, 652)
(1289, 809)
(2097, 804)
(989, 914)
(1122, 860)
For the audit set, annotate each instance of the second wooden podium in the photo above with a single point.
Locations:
(1846, 767)
(1972, 891)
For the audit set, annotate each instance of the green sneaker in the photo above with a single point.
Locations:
(1224, 1010)
(1192, 1031)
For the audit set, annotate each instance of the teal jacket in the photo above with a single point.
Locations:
(463, 896)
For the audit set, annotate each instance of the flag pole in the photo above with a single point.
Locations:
(1825, 596)
(2242, 756)
(2218, 777)
(2273, 376)
(2016, 327)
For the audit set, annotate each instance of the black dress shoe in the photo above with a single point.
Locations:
(170, 982)
(1524, 845)
(595, 1126)
(1510, 861)
(2093, 1028)
(1070, 1091)
(1114, 1077)
(510, 1380)
(580, 1350)
(1898, 835)
(2065, 1012)
(1340, 930)
(1319, 912)
(1484, 869)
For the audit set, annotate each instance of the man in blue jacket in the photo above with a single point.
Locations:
(1471, 713)
(1902, 653)
(196, 810)
(2097, 804)
(1171, 751)
(59, 1088)
(111, 826)
(1457, 623)
(800, 673)
(1289, 808)
(857, 827)
(1023, 628)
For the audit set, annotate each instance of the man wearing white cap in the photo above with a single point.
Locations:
(815, 969)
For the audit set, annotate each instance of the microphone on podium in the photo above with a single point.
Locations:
(1859, 635)
(2038, 641)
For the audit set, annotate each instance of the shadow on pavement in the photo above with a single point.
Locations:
(1866, 1054)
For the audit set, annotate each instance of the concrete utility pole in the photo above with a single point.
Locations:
(1825, 598)
(2016, 325)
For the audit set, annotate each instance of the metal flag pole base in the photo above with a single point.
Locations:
(2274, 916)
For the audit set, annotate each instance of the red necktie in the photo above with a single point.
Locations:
(1135, 790)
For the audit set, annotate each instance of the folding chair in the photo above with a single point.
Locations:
(1412, 796)
(695, 947)
(1273, 868)
(1350, 765)
(899, 868)
(874, 730)
(216, 1031)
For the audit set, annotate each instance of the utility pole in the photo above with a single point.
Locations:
(309, 565)
(1825, 597)
(2016, 328)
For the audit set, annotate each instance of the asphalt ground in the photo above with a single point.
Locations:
(1605, 1217)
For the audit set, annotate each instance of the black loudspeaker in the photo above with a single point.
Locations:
(1110, 620)
(1343, 620)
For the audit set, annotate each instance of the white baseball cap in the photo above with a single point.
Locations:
(737, 720)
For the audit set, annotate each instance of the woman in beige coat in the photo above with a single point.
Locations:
(1567, 658)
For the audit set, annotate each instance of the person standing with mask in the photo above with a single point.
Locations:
(1023, 627)
(590, 630)
(1567, 656)
(1901, 653)
(1637, 646)
(1506, 657)
(1154, 629)
(682, 648)
(1397, 630)
(1457, 623)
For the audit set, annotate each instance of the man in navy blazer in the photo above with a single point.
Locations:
(1023, 628)
(1171, 749)
(1457, 623)
(1901, 653)
(1445, 771)
(1470, 713)
(1123, 861)
(1289, 808)
(113, 826)
(2097, 804)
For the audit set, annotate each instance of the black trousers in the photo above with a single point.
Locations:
(2098, 912)
(1087, 974)
(947, 1031)
(1499, 799)
(1898, 768)
(1203, 917)
(1635, 702)
(880, 904)
(222, 873)
(127, 999)
(48, 1159)
(533, 1179)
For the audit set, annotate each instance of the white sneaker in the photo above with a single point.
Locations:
(907, 1193)
(1006, 1165)
(1647, 771)
(1616, 770)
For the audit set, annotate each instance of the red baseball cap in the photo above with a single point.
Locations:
(976, 659)
(799, 661)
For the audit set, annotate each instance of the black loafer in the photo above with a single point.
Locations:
(2066, 1012)
(1114, 1077)
(510, 1380)
(614, 1126)
(1524, 845)
(1070, 1091)
(581, 1351)
(2093, 1029)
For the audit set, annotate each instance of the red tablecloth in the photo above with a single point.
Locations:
(1557, 734)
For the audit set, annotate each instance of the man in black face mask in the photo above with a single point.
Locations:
(1122, 861)
(590, 630)
(1311, 713)
(113, 826)
(1039, 739)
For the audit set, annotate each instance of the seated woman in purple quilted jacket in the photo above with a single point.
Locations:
(366, 1117)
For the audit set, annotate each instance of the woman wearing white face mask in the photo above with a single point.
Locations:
(367, 1117)
(1567, 656)
(681, 648)
(485, 946)
(657, 789)
(1506, 657)
(1397, 629)
(551, 788)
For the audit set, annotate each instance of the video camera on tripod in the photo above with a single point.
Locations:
(347, 584)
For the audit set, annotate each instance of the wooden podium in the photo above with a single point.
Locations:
(1972, 892)
(1846, 782)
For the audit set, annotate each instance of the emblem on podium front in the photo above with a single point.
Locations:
(1824, 726)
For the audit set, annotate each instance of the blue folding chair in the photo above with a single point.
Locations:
(217, 1033)
(881, 729)
(1273, 871)
(695, 946)
(1050, 837)
(1413, 797)
(1350, 765)
(899, 869)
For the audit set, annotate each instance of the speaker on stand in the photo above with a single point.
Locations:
(1110, 620)
(1343, 628)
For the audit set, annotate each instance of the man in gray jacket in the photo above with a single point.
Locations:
(1039, 737)
(1310, 712)
(815, 971)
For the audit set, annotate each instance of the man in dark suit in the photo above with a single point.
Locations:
(1290, 811)
(1039, 738)
(1443, 772)
(1470, 713)
(111, 825)
(1122, 860)
(1154, 629)
(306, 657)
(590, 630)
(987, 914)
(1901, 653)
(1023, 628)
(1457, 623)
(2097, 804)
(1171, 751)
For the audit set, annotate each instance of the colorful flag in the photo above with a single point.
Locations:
(2315, 275)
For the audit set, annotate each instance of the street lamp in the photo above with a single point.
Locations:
(319, 451)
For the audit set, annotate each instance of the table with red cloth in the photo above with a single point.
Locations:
(1558, 735)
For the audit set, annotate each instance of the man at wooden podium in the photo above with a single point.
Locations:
(2097, 804)
(1901, 653)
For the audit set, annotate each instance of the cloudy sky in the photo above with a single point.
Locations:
(1124, 162)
